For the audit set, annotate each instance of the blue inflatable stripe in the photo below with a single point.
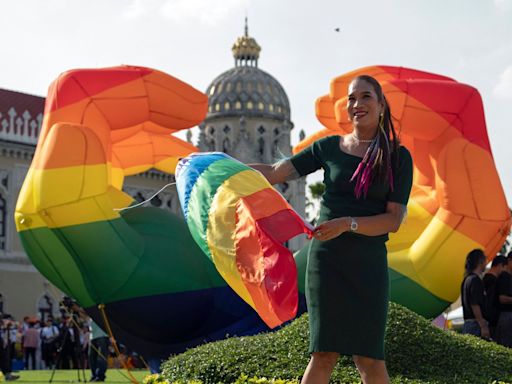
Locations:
(190, 169)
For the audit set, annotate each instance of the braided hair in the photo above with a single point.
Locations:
(380, 162)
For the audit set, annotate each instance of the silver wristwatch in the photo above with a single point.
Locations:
(353, 224)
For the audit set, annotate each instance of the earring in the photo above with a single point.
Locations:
(381, 122)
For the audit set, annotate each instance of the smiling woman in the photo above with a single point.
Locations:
(368, 178)
(457, 202)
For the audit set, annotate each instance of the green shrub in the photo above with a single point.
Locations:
(416, 352)
(242, 379)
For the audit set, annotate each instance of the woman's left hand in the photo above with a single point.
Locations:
(331, 228)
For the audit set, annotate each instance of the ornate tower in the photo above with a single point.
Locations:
(249, 118)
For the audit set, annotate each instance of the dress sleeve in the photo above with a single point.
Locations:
(309, 159)
(402, 180)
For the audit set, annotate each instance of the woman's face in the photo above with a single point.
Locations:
(363, 105)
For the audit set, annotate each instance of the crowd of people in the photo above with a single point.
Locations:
(71, 341)
(487, 297)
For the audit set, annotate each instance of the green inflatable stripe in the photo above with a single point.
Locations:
(403, 290)
(147, 252)
(202, 196)
(55, 262)
(410, 294)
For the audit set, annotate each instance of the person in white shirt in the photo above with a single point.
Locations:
(49, 334)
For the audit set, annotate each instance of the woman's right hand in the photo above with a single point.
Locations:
(331, 229)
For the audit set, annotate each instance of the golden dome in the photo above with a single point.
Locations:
(246, 50)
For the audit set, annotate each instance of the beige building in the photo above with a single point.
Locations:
(248, 118)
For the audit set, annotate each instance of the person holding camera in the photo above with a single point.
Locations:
(68, 344)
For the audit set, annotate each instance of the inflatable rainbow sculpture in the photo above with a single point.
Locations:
(457, 202)
(159, 291)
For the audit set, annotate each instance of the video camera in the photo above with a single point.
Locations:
(68, 305)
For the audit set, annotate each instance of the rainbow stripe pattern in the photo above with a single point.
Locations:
(457, 202)
(240, 222)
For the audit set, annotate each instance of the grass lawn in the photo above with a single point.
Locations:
(71, 376)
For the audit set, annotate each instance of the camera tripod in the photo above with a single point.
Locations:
(77, 356)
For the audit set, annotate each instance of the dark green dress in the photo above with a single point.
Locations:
(347, 277)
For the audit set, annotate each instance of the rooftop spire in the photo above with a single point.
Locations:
(246, 50)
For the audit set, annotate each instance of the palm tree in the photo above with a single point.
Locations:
(316, 190)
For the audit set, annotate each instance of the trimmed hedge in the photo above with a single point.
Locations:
(243, 379)
(416, 352)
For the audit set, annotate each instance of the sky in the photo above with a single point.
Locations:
(469, 40)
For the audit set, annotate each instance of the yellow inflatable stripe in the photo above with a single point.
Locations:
(68, 196)
(25, 201)
(117, 177)
(432, 258)
(25, 221)
(414, 224)
(85, 211)
(64, 185)
(220, 233)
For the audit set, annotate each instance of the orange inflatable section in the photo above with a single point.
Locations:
(133, 111)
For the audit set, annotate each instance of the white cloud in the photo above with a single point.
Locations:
(504, 5)
(504, 87)
(134, 10)
(204, 11)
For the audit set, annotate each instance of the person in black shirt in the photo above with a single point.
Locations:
(492, 310)
(504, 290)
(473, 295)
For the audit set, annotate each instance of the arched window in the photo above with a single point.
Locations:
(261, 106)
(156, 201)
(250, 105)
(226, 146)
(261, 146)
(227, 106)
(238, 105)
(47, 306)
